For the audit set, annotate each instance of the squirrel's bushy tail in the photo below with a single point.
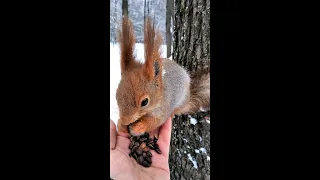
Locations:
(199, 93)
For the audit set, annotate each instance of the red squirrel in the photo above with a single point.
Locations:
(151, 92)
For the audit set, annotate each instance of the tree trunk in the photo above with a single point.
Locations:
(192, 34)
(169, 8)
(192, 51)
(125, 8)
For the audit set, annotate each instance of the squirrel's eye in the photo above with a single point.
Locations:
(144, 102)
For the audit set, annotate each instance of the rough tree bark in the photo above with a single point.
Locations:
(192, 51)
(192, 34)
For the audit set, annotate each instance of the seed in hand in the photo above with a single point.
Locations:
(140, 148)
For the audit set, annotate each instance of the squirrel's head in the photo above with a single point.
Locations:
(140, 88)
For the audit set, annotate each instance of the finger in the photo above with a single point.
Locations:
(113, 135)
(165, 136)
(126, 135)
(123, 144)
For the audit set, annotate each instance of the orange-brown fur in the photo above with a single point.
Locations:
(138, 80)
(176, 95)
(127, 41)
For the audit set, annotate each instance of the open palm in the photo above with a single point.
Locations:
(124, 167)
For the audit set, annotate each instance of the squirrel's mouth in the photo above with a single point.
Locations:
(139, 120)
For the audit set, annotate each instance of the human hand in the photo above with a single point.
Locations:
(124, 167)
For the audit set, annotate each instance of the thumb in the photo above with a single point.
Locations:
(113, 135)
(165, 136)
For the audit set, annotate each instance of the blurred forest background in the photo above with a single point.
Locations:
(161, 11)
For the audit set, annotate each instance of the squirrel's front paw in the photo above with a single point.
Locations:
(137, 128)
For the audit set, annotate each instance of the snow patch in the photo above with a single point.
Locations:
(171, 48)
(185, 140)
(195, 165)
(193, 120)
(200, 138)
(208, 121)
(197, 151)
(203, 150)
(208, 158)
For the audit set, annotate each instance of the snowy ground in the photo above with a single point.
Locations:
(115, 74)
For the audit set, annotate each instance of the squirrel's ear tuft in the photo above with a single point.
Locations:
(127, 42)
(152, 48)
